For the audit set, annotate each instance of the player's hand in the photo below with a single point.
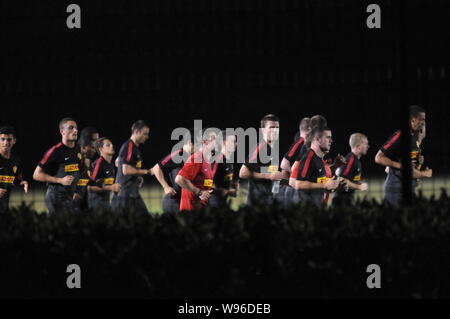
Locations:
(339, 161)
(150, 171)
(364, 187)
(204, 195)
(116, 187)
(169, 191)
(3, 191)
(421, 159)
(25, 186)
(276, 176)
(428, 173)
(232, 192)
(66, 180)
(332, 184)
(76, 197)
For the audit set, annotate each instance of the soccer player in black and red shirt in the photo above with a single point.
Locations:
(313, 177)
(102, 176)
(225, 183)
(263, 173)
(352, 171)
(166, 170)
(60, 169)
(130, 171)
(389, 156)
(291, 156)
(10, 170)
(197, 175)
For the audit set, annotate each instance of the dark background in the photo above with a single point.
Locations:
(227, 62)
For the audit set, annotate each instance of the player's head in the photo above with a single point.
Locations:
(189, 141)
(104, 147)
(359, 143)
(417, 118)
(68, 129)
(229, 142)
(209, 140)
(318, 121)
(7, 138)
(140, 131)
(322, 138)
(87, 146)
(270, 125)
(90, 132)
(305, 126)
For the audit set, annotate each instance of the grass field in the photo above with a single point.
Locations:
(152, 194)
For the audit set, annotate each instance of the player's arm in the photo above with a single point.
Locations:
(131, 170)
(158, 172)
(187, 185)
(427, 173)
(383, 160)
(41, 176)
(246, 173)
(358, 187)
(306, 185)
(285, 168)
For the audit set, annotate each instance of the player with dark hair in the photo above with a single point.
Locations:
(313, 177)
(166, 170)
(102, 176)
(10, 170)
(225, 184)
(196, 176)
(389, 156)
(352, 171)
(60, 169)
(262, 173)
(130, 171)
(291, 156)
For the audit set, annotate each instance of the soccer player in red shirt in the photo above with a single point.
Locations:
(197, 175)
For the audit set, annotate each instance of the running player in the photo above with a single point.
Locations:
(263, 174)
(313, 177)
(352, 171)
(166, 170)
(291, 156)
(389, 156)
(60, 169)
(102, 176)
(10, 171)
(130, 171)
(225, 184)
(196, 176)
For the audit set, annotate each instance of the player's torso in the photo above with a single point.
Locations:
(8, 170)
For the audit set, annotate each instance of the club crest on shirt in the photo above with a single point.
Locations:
(79, 155)
(15, 169)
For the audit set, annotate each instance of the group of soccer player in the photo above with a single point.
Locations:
(80, 172)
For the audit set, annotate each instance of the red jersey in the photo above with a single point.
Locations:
(201, 173)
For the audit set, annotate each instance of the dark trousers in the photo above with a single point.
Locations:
(59, 201)
(170, 204)
(128, 204)
(4, 203)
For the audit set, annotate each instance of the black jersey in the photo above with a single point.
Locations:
(10, 175)
(294, 150)
(351, 171)
(102, 174)
(83, 183)
(313, 169)
(170, 166)
(392, 149)
(60, 161)
(129, 154)
(261, 160)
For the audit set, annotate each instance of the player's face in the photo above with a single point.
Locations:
(7, 141)
(364, 146)
(88, 150)
(108, 148)
(143, 135)
(271, 131)
(70, 131)
(325, 141)
(95, 137)
(188, 147)
(417, 123)
(210, 141)
(230, 144)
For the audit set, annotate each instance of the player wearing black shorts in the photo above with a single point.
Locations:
(167, 169)
(225, 184)
(60, 169)
(102, 176)
(261, 168)
(291, 156)
(130, 171)
(10, 169)
(313, 177)
(389, 156)
(352, 171)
